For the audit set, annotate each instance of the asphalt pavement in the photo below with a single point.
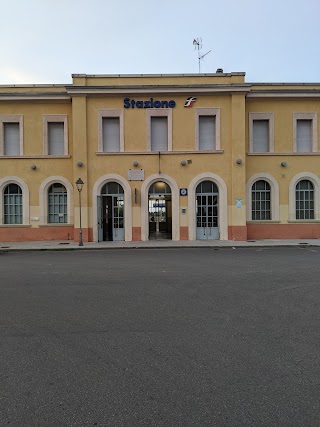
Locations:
(167, 337)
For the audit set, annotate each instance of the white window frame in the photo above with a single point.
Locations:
(106, 114)
(261, 116)
(314, 129)
(11, 119)
(43, 198)
(214, 112)
(292, 196)
(25, 199)
(163, 112)
(55, 118)
(275, 200)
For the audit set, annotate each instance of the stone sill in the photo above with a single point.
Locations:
(303, 221)
(15, 225)
(264, 221)
(148, 153)
(36, 157)
(56, 225)
(316, 153)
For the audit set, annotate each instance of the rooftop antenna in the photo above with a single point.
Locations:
(197, 43)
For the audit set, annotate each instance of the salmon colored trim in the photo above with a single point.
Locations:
(136, 234)
(283, 231)
(12, 234)
(86, 232)
(184, 233)
(237, 232)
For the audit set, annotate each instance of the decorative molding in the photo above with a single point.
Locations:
(96, 191)
(223, 204)
(145, 205)
(275, 198)
(163, 112)
(215, 112)
(110, 113)
(292, 195)
(261, 116)
(55, 118)
(43, 199)
(314, 137)
(25, 198)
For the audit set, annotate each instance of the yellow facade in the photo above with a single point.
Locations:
(257, 143)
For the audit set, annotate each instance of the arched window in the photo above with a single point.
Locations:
(304, 200)
(111, 188)
(57, 204)
(12, 204)
(261, 200)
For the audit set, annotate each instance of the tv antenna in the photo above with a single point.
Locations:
(197, 43)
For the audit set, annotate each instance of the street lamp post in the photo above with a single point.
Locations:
(79, 184)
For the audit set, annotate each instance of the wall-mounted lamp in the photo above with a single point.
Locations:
(183, 162)
(135, 163)
(239, 161)
(33, 167)
(79, 164)
(283, 164)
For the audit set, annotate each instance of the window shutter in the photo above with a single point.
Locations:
(56, 139)
(207, 131)
(11, 139)
(111, 134)
(304, 136)
(260, 136)
(159, 134)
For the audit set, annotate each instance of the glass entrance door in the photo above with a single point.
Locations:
(117, 218)
(160, 211)
(207, 211)
(111, 212)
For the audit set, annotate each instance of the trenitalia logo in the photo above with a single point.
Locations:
(190, 101)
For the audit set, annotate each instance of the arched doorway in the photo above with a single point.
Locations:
(160, 211)
(111, 212)
(207, 211)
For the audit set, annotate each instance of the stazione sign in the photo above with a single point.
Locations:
(151, 103)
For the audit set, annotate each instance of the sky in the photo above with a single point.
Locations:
(46, 41)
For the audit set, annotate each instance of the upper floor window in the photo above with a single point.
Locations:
(207, 125)
(207, 129)
(261, 200)
(304, 200)
(110, 131)
(159, 129)
(55, 135)
(159, 134)
(305, 132)
(12, 204)
(111, 134)
(57, 204)
(261, 138)
(11, 135)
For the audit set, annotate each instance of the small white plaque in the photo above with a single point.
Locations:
(136, 175)
(34, 218)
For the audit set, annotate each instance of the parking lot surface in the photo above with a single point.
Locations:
(160, 337)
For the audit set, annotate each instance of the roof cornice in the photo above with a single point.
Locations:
(161, 89)
(285, 93)
(35, 96)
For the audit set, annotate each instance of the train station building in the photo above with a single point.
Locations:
(181, 157)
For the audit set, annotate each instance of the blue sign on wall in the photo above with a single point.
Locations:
(151, 103)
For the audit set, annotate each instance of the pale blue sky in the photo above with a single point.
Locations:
(45, 41)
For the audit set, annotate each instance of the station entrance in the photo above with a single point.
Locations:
(207, 208)
(160, 211)
(111, 212)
